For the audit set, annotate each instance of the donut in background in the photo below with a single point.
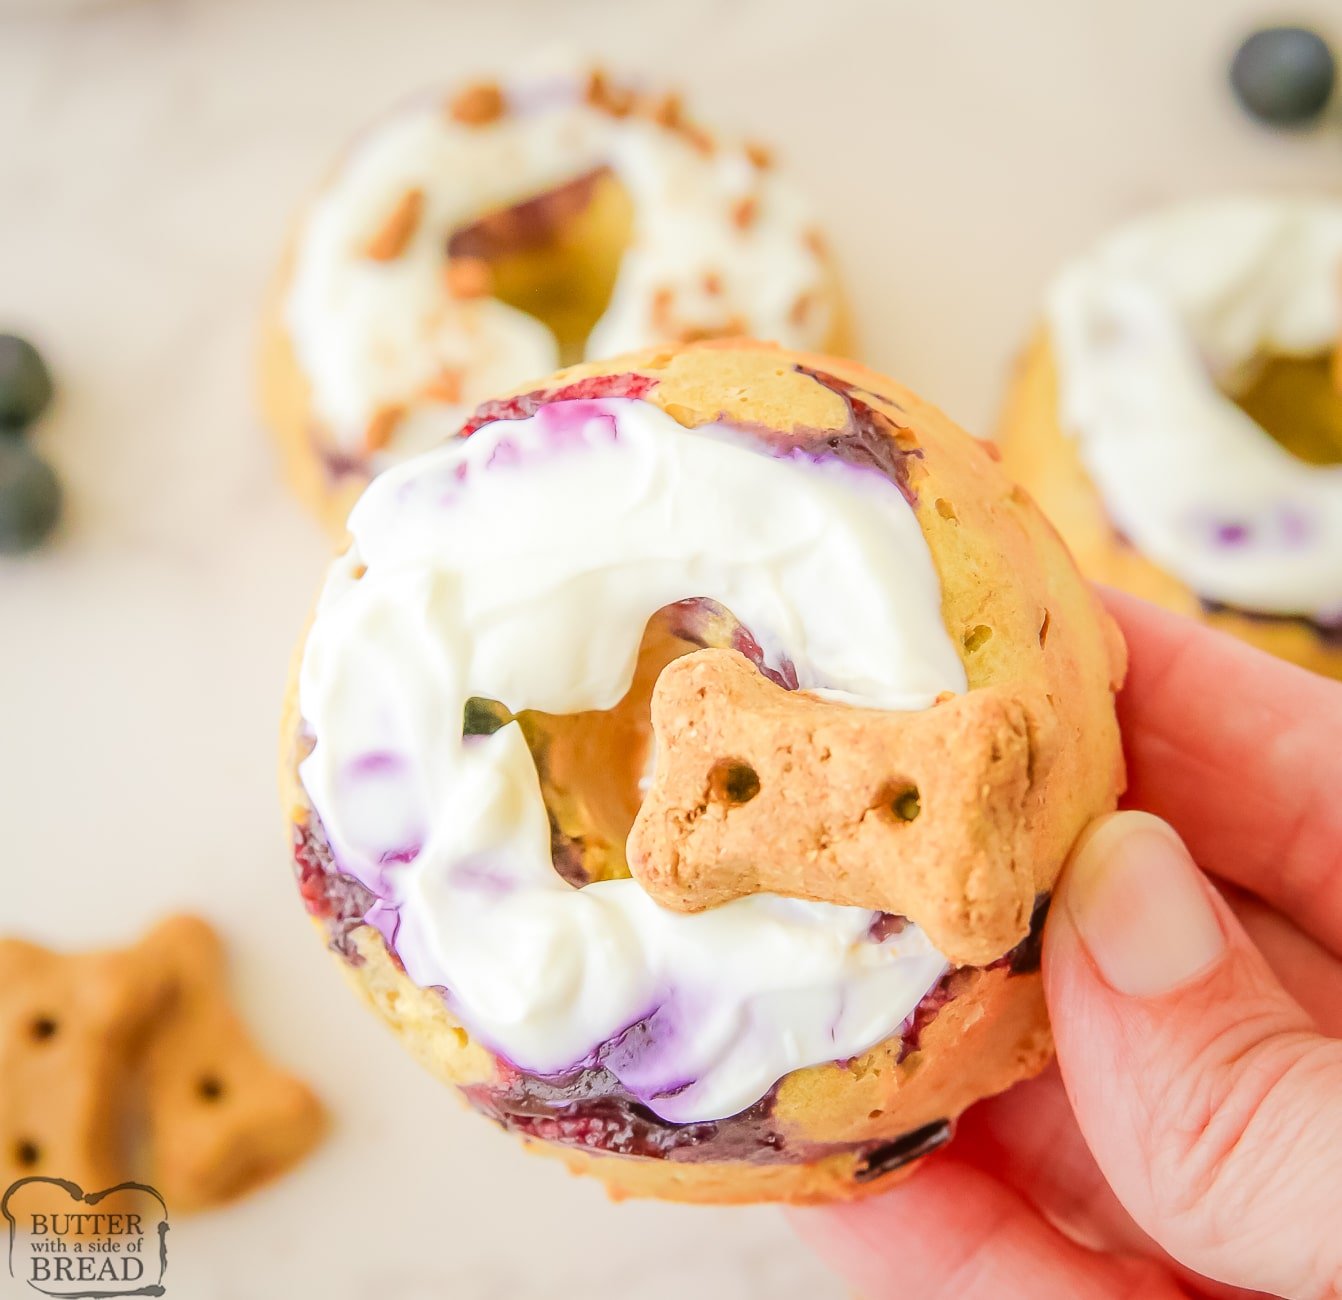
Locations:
(468, 244)
(1179, 418)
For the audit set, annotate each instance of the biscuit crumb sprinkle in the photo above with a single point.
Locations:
(477, 104)
(392, 236)
(382, 426)
(467, 277)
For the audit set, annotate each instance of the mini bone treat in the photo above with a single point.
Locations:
(681, 759)
(129, 1064)
(472, 241)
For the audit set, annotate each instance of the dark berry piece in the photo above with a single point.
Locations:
(30, 497)
(25, 382)
(1283, 75)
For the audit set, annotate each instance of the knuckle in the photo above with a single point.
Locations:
(1239, 1131)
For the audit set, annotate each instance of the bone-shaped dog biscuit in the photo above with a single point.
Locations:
(221, 1117)
(70, 1024)
(760, 789)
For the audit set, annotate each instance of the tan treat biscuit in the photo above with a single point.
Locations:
(1043, 660)
(130, 1064)
(221, 1118)
(910, 813)
(70, 1027)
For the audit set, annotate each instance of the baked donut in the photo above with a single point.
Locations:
(1178, 418)
(681, 760)
(464, 246)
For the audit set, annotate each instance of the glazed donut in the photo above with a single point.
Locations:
(681, 760)
(1179, 420)
(464, 247)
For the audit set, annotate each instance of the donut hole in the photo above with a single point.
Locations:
(595, 767)
(555, 255)
(732, 781)
(1297, 402)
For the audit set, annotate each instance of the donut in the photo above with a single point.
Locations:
(471, 243)
(681, 757)
(1178, 417)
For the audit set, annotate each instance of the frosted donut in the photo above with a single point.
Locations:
(463, 247)
(681, 760)
(1178, 418)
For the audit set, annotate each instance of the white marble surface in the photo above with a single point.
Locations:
(150, 155)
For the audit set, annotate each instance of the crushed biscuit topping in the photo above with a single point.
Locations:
(759, 154)
(444, 387)
(467, 277)
(382, 426)
(477, 104)
(396, 231)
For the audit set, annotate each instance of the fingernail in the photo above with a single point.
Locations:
(1141, 906)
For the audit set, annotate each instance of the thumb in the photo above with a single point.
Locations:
(1210, 1103)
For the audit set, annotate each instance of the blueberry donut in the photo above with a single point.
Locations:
(680, 760)
(1179, 418)
(464, 246)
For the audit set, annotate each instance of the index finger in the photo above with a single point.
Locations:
(1242, 754)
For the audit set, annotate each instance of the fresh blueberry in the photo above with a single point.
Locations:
(1283, 75)
(25, 382)
(30, 497)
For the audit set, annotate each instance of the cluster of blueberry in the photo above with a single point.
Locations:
(1284, 76)
(30, 496)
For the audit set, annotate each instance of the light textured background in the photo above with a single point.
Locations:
(151, 154)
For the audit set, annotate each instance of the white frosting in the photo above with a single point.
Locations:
(522, 565)
(1151, 331)
(371, 334)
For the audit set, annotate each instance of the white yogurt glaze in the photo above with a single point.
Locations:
(1151, 331)
(522, 565)
(372, 334)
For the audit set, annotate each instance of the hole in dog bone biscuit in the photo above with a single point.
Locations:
(946, 510)
(42, 1028)
(731, 781)
(209, 1088)
(977, 636)
(900, 802)
(26, 1153)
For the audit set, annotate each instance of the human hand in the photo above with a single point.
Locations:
(1188, 1141)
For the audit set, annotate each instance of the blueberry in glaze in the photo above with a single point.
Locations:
(25, 383)
(30, 498)
(1283, 76)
